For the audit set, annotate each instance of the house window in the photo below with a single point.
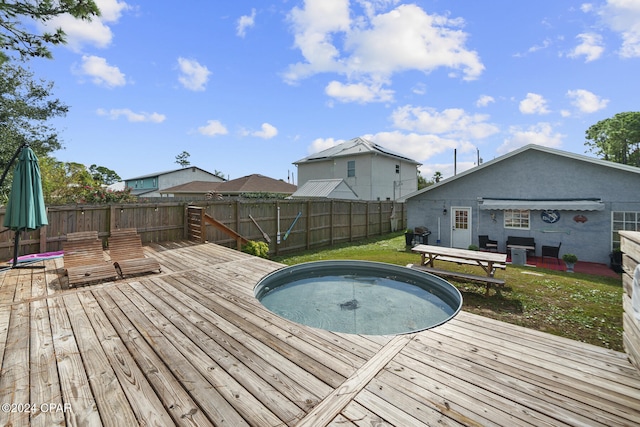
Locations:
(516, 218)
(351, 168)
(397, 168)
(461, 219)
(629, 221)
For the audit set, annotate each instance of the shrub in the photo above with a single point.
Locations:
(260, 249)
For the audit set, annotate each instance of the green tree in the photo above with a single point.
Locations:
(64, 183)
(26, 107)
(437, 176)
(422, 182)
(617, 138)
(183, 159)
(103, 175)
(14, 35)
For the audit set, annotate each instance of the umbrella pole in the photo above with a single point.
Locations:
(15, 248)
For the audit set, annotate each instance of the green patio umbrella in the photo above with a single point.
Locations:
(25, 208)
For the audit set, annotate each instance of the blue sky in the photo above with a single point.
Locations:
(252, 86)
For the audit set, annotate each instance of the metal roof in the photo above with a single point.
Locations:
(322, 188)
(352, 147)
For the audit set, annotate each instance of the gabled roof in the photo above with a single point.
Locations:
(193, 187)
(247, 184)
(325, 188)
(353, 147)
(554, 151)
(256, 183)
(155, 174)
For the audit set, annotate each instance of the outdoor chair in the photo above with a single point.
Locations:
(487, 244)
(127, 255)
(84, 259)
(551, 252)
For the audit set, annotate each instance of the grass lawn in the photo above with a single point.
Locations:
(578, 306)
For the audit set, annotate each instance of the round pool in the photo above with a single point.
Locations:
(359, 297)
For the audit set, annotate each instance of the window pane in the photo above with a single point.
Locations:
(516, 218)
(462, 219)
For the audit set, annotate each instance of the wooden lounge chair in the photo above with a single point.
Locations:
(125, 248)
(84, 259)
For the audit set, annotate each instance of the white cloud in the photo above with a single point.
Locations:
(320, 144)
(623, 17)
(545, 44)
(213, 128)
(586, 7)
(585, 101)
(95, 32)
(132, 116)
(451, 122)
(540, 134)
(194, 76)
(358, 92)
(267, 131)
(100, 72)
(372, 48)
(534, 104)
(244, 22)
(591, 47)
(484, 100)
(418, 146)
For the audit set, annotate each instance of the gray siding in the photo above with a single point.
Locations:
(533, 174)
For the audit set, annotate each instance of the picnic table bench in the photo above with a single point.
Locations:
(489, 262)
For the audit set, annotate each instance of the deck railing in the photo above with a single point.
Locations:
(289, 224)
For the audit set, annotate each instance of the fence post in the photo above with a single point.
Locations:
(308, 241)
(351, 220)
(277, 227)
(331, 219)
(43, 239)
(380, 218)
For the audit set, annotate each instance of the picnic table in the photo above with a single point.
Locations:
(489, 261)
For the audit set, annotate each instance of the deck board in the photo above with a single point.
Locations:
(192, 346)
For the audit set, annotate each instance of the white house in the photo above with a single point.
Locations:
(370, 170)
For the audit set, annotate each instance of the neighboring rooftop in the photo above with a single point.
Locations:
(254, 183)
(326, 188)
(353, 147)
(154, 174)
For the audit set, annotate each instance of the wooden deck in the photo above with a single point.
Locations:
(192, 346)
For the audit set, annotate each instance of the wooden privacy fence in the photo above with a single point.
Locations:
(289, 224)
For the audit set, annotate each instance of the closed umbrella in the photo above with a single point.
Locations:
(25, 208)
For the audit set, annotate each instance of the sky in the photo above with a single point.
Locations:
(250, 87)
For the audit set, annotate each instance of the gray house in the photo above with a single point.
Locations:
(552, 196)
(370, 170)
(151, 184)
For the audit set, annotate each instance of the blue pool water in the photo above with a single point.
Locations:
(359, 297)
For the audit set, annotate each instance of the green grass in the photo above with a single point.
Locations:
(582, 307)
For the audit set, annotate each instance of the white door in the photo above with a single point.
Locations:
(461, 228)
